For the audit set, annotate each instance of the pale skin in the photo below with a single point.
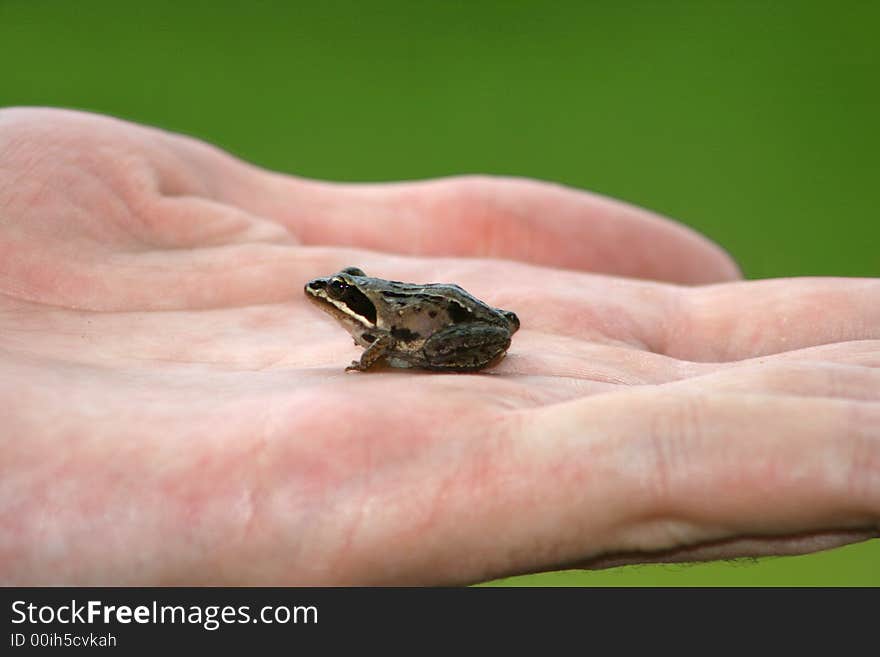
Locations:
(174, 411)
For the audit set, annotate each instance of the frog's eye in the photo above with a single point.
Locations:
(337, 288)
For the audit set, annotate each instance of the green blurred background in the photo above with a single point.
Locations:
(754, 122)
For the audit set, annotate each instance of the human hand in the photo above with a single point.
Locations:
(175, 412)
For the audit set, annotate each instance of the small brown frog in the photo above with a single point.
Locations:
(434, 326)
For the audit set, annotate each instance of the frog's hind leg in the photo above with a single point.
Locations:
(466, 347)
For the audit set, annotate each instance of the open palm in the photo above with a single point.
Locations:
(174, 411)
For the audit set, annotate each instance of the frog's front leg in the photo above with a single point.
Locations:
(463, 347)
(371, 354)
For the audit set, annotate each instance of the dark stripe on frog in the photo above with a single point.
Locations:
(458, 313)
(359, 304)
(368, 337)
(404, 334)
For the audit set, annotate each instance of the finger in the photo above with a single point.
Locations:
(756, 318)
(865, 353)
(517, 219)
(475, 216)
(793, 378)
(637, 472)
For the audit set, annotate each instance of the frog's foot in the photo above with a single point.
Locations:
(373, 354)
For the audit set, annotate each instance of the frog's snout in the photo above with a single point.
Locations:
(315, 285)
(513, 320)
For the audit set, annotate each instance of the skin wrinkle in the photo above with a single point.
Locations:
(117, 188)
(178, 173)
(142, 203)
(361, 487)
(18, 182)
(671, 320)
(254, 491)
(667, 434)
